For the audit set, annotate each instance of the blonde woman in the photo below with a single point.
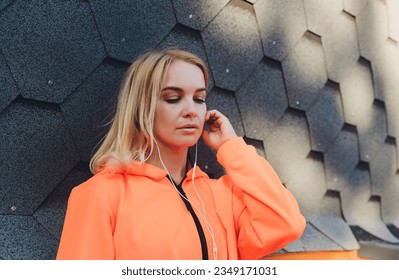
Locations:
(146, 201)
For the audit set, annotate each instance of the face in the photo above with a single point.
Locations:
(181, 109)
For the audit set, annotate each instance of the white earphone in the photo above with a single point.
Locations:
(203, 214)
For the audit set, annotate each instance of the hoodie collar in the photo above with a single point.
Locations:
(198, 174)
(148, 170)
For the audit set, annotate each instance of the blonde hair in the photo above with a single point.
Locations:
(131, 134)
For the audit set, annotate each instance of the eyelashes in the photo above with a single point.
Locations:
(172, 101)
(176, 100)
(200, 101)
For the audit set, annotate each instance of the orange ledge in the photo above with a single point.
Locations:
(318, 255)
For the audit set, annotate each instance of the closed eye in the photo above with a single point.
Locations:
(172, 100)
(199, 100)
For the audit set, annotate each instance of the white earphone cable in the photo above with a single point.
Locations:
(203, 215)
(210, 229)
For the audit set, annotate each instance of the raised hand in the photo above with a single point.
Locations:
(218, 130)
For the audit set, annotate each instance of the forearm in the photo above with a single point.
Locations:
(270, 217)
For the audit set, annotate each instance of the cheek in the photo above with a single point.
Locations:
(160, 119)
(166, 119)
(162, 114)
(202, 115)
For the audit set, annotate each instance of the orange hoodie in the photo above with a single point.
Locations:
(135, 212)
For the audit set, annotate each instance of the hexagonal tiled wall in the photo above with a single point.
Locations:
(313, 85)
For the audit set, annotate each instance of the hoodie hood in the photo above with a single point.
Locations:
(148, 170)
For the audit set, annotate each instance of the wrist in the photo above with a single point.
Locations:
(228, 150)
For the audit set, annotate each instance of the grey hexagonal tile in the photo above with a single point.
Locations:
(397, 158)
(50, 49)
(232, 44)
(288, 145)
(372, 132)
(393, 19)
(389, 202)
(197, 14)
(325, 117)
(226, 103)
(36, 152)
(385, 181)
(129, 28)
(294, 247)
(340, 46)
(365, 236)
(315, 240)
(282, 24)
(262, 99)
(372, 27)
(357, 93)
(321, 14)
(341, 158)
(4, 4)
(385, 69)
(359, 209)
(187, 39)
(394, 230)
(309, 177)
(51, 212)
(305, 72)
(8, 88)
(383, 168)
(354, 7)
(378, 250)
(90, 108)
(336, 229)
(23, 238)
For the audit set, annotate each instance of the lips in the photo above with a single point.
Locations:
(188, 126)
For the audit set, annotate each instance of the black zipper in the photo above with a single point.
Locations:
(200, 230)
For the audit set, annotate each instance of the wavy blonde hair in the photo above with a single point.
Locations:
(131, 134)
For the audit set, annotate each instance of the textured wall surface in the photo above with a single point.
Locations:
(312, 84)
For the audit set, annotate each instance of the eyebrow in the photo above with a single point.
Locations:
(180, 89)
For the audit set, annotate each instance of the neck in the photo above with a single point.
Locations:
(175, 161)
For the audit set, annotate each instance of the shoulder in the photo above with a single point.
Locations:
(103, 182)
(105, 187)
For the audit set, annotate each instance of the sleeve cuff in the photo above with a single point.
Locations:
(230, 148)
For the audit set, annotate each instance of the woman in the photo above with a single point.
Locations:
(146, 201)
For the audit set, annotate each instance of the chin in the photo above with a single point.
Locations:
(188, 143)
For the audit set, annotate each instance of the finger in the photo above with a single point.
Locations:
(207, 116)
(205, 135)
(214, 116)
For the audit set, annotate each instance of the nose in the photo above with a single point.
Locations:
(189, 110)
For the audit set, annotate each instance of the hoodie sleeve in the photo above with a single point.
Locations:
(266, 215)
(87, 231)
